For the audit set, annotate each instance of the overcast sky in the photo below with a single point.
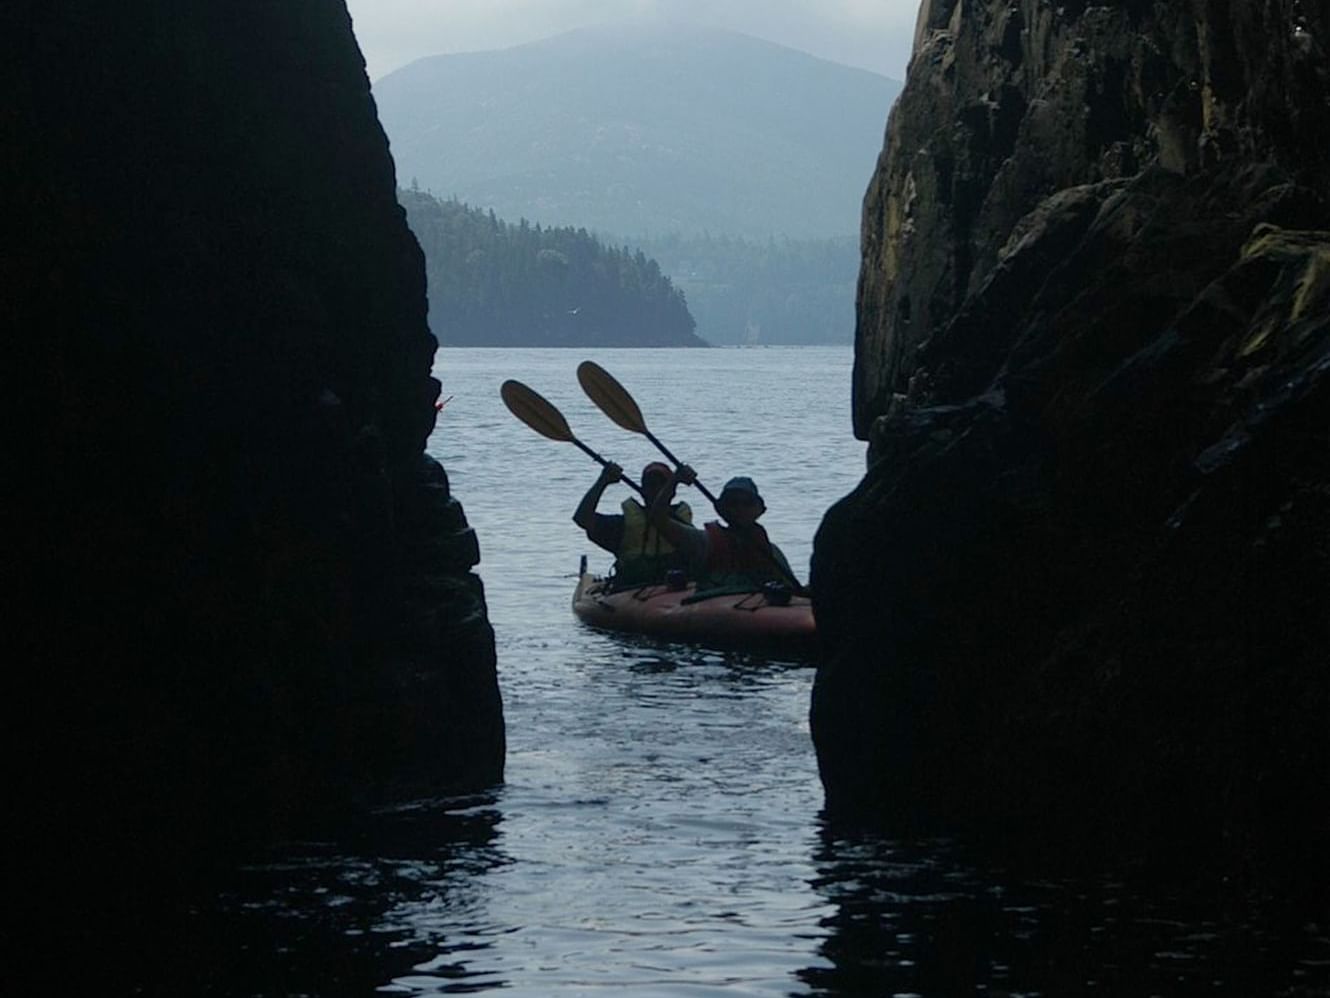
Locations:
(872, 34)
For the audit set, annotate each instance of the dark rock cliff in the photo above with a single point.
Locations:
(247, 596)
(1093, 368)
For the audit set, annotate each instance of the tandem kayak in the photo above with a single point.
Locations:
(745, 621)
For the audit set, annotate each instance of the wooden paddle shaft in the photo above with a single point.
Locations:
(666, 451)
(596, 457)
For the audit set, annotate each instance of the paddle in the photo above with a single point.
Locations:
(614, 401)
(534, 410)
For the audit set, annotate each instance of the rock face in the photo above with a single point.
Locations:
(248, 594)
(1093, 368)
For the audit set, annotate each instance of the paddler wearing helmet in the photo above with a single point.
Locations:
(642, 553)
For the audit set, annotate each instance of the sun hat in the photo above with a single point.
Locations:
(743, 484)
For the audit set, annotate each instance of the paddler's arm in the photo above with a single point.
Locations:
(585, 514)
(684, 537)
(784, 565)
(603, 531)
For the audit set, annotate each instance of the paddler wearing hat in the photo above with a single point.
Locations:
(737, 552)
(642, 553)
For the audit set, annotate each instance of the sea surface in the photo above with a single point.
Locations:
(659, 832)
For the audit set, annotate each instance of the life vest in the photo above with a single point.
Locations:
(640, 538)
(730, 553)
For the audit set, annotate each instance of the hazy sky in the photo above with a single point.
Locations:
(873, 34)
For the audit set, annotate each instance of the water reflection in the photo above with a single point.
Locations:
(922, 919)
(659, 862)
(657, 835)
(645, 654)
(381, 903)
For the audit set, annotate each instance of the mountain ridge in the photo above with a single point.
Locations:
(644, 128)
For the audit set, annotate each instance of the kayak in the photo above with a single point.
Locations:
(753, 620)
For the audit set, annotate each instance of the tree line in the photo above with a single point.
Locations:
(495, 283)
(764, 291)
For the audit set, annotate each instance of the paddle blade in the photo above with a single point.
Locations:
(531, 408)
(610, 397)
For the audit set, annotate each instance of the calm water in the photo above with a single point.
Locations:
(658, 833)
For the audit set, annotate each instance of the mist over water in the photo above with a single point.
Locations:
(658, 834)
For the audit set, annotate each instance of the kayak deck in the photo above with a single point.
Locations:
(747, 621)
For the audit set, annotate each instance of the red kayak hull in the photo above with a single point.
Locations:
(742, 621)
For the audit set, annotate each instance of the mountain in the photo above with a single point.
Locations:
(643, 127)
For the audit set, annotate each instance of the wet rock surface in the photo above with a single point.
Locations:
(247, 597)
(1092, 362)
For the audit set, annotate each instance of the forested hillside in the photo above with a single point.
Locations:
(764, 291)
(494, 283)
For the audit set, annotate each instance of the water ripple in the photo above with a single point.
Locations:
(658, 834)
